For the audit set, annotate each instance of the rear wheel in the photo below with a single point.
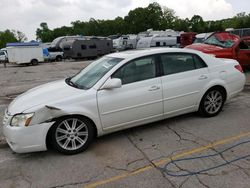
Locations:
(34, 62)
(212, 102)
(72, 135)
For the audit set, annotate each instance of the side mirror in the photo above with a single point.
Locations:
(112, 83)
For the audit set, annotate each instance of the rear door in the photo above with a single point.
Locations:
(184, 77)
(138, 101)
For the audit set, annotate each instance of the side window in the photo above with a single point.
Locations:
(199, 63)
(137, 70)
(92, 46)
(180, 62)
(83, 47)
(244, 45)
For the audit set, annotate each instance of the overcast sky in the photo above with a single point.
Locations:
(26, 15)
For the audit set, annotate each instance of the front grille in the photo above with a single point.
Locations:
(6, 118)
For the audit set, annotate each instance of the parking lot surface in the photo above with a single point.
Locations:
(161, 154)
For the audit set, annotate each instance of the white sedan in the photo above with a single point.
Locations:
(119, 91)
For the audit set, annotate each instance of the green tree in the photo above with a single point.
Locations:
(44, 33)
(197, 24)
(7, 36)
(168, 18)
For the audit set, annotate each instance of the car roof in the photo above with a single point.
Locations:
(150, 51)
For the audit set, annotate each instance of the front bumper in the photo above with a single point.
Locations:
(27, 139)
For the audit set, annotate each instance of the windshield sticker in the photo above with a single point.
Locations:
(107, 65)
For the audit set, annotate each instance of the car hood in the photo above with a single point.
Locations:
(42, 95)
(206, 48)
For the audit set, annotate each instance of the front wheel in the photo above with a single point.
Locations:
(212, 102)
(72, 135)
(59, 58)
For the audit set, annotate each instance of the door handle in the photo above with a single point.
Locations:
(153, 88)
(203, 77)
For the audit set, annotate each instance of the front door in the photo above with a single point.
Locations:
(138, 101)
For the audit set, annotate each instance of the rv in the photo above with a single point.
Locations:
(243, 32)
(200, 38)
(150, 38)
(56, 44)
(90, 47)
(25, 53)
(125, 42)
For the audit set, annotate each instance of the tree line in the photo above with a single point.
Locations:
(140, 19)
(11, 36)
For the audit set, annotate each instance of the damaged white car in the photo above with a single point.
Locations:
(119, 91)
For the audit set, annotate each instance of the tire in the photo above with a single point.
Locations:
(212, 102)
(58, 58)
(34, 62)
(72, 134)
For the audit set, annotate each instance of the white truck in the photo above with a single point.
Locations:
(24, 53)
(3, 56)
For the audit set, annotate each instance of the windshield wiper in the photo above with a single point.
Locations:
(69, 82)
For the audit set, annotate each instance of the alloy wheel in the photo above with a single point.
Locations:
(71, 134)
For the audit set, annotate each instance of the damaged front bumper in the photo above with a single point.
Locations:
(27, 139)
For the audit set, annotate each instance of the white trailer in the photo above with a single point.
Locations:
(151, 38)
(125, 42)
(25, 54)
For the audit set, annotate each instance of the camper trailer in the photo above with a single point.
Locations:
(150, 38)
(125, 42)
(90, 47)
(57, 43)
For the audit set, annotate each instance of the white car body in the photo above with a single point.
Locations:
(116, 109)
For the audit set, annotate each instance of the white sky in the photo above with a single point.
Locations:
(26, 15)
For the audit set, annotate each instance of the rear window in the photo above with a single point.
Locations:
(181, 62)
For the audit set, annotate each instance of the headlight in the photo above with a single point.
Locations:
(20, 120)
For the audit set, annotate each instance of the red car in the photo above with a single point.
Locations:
(226, 45)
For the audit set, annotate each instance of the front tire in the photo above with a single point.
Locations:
(59, 58)
(212, 102)
(71, 135)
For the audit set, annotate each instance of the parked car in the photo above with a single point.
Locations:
(119, 91)
(226, 45)
(56, 54)
(3, 56)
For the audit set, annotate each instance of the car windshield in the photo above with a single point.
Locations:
(214, 40)
(92, 73)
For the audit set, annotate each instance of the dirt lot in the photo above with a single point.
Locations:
(135, 157)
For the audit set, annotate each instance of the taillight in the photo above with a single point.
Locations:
(239, 68)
